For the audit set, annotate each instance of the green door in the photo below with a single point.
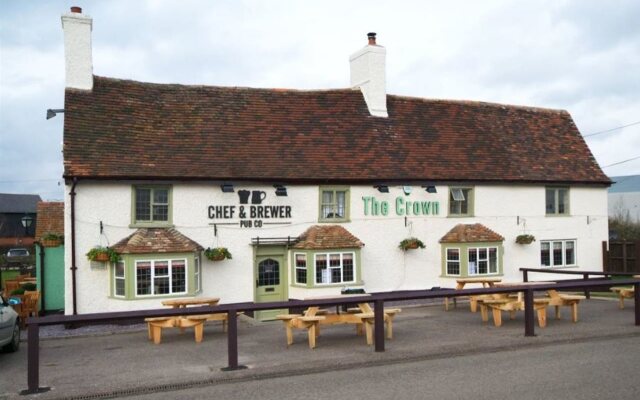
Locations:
(270, 280)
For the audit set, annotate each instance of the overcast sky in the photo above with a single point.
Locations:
(581, 56)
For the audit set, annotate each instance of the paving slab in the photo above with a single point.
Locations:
(112, 361)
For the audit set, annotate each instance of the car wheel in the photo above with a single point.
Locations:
(14, 345)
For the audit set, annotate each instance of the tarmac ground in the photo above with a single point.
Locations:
(111, 362)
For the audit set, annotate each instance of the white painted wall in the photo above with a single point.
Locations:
(384, 266)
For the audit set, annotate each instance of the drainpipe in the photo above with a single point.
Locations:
(73, 245)
(42, 310)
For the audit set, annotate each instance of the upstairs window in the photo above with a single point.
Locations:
(557, 201)
(152, 204)
(460, 201)
(334, 204)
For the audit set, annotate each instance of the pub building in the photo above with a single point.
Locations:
(311, 191)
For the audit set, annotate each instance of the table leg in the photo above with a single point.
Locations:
(557, 312)
(497, 317)
(574, 312)
(484, 312)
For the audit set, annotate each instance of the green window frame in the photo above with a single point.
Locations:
(165, 269)
(558, 253)
(557, 201)
(151, 206)
(343, 267)
(472, 259)
(461, 201)
(334, 204)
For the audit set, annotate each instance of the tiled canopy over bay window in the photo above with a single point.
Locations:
(156, 262)
(326, 255)
(471, 250)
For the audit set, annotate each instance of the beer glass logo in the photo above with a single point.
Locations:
(257, 196)
(244, 196)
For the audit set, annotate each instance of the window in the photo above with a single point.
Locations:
(119, 280)
(301, 269)
(197, 274)
(558, 253)
(483, 260)
(335, 268)
(160, 277)
(334, 203)
(453, 261)
(557, 201)
(151, 204)
(461, 201)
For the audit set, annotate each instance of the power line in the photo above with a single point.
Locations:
(621, 162)
(612, 129)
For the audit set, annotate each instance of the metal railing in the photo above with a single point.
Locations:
(232, 310)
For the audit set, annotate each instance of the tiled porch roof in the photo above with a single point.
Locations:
(468, 233)
(156, 240)
(327, 237)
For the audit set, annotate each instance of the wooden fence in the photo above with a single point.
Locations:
(621, 256)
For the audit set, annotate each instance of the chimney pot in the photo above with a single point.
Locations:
(76, 9)
(372, 38)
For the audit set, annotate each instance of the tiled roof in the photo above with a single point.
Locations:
(156, 240)
(327, 237)
(18, 203)
(184, 132)
(50, 219)
(469, 233)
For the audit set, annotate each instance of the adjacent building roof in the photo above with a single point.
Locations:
(50, 219)
(327, 237)
(470, 233)
(229, 133)
(18, 203)
(625, 184)
(156, 240)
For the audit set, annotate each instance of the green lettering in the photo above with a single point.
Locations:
(384, 208)
(399, 205)
(416, 208)
(426, 207)
(366, 200)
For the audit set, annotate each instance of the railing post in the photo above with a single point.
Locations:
(525, 276)
(587, 292)
(232, 342)
(33, 360)
(529, 327)
(636, 298)
(378, 310)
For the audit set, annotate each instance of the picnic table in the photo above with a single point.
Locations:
(155, 325)
(623, 293)
(313, 317)
(513, 302)
(473, 300)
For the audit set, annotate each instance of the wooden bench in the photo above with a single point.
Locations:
(155, 325)
(389, 315)
(569, 300)
(623, 293)
(512, 305)
(299, 321)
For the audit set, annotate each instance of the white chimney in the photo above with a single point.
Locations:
(368, 73)
(77, 49)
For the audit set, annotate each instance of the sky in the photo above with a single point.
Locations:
(582, 56)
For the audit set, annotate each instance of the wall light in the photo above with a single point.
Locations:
(430, 188)
(227, 188)
(382, 188)
(52, 112)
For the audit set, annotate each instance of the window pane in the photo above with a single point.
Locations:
(120, 287)
(563, 201)
(161, 285)
(453, 262)
(161, 196)
(268, 273)
(570, 253)
(321, 267)
(178, 277)
(557, 253)
(493, 260)
(161, 268)
(473, 261)
(120, 269)
(550, 201)
(301, 268)
(143, 278)
(341, 204)
(143, 204)
(347, 268)
(545, 257)
(160, 213)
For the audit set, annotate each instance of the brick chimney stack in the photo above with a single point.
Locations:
(368, 73)
(77, 49)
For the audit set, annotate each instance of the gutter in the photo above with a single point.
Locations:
(73, 245)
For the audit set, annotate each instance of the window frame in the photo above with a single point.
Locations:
(136, 223)
(556, 201)
(197, 274)
(296, 268)
(458, 261)
(469, 199)
(463, 251)
(328, 255)
(347, 203)
(487, 259)
(123, 278)
(563, 242)
(169, 276)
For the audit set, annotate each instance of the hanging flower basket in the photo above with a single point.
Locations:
(103, 254)
(525, 239)
(217, 253)
(51, 240)
(410, 244)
